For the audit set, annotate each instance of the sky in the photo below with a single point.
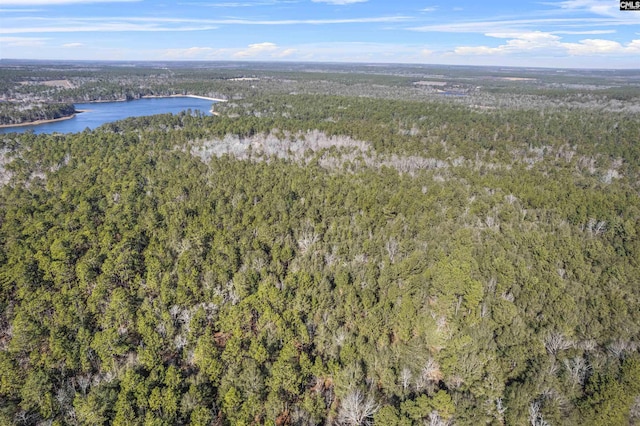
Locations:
(569, 33)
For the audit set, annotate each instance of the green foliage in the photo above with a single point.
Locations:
(15, 114)
(462, 266)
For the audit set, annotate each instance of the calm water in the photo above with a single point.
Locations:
(106, 112)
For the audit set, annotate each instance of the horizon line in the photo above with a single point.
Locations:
(284, 61)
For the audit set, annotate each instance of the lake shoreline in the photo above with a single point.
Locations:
(102, 101)
(68, 117)
(147, 107)
(190, 96)
(206, 98)
(38, 122)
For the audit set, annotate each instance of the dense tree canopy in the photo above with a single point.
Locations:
(303, 259)
(14, 113)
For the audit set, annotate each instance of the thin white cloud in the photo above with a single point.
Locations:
(58, 2)
(519, 24)
(341, 52)
(548, 44)
(380, 19)
(362, 52)
(265, 50)
(20, 10)
(602, 47)
(233, 4)
(517, 43)
(23, 41)
(131, 24)
(429, 9)
(340, 2)
(73, 45)
(191, 53)
(585, 32)
(530, 36)
(598, 7)
(256, 50)
(107, 27)
(285, 53)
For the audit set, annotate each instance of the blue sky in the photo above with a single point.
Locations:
(571, 33)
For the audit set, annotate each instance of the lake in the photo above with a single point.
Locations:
(100, 113)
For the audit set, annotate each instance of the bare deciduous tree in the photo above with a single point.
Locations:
(405, 378)
(619, 347)
(500, 407)
(555, 342)
(436, 420)
(392, 249)
(429, 376)
(578, 370)
(307, 239)
(83, 383)
(356, 410)
(535, 417)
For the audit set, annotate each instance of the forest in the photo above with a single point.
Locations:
(311, 256)
(12, 113)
